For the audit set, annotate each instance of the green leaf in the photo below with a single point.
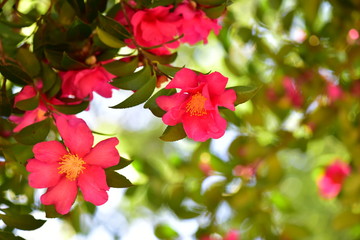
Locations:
(164, 231)
(168, 70)
(244, 93)
(121, 68)
(140, 95)
(117, 180)
(78, 31)
(113, 27)
(122, 163)
(93, 7)
(245, 33)
(210, 2)
(173, 133)
(9, 236)
(34, 133)
(133, 81)
(152, 105)
(54, 57)
(79, 7)
(49, 77)
(72, 109)
(15, 74)
(22, 221)
(109, 39)
(28, 104)
(51, 212)
(5, 106)
(215, 12)
(163, 59)
(69, 63)
(29, 61)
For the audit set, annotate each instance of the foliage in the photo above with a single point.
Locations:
(294, 66)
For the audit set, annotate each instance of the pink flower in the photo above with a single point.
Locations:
(62, 169)
(196, 105)
(334, 92)
(156, 26)
(82, 83)
(292, 92)
(331, 182)
(194, 24)
(232, 235)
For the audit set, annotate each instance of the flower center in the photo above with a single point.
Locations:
(71, 165)
(196, 105)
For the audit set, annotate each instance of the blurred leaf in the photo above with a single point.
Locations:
(93, 7)
(215, 12)
(151, 103)
(345, 220)
(117, 180)
(122, 163)
(140, 95)
(245, 33)
(34, 133)
(5, 106)
(9, 236)
(287, 20)
(275, 4)
(28, 104)
(173, 133)
(121, 68)
(164, 231)
(51, 212)
(109, 39)
(78, 31)
(79, 7)
(293, 231)
(210, 2)
(69, 63)
(72, 109)
(28, 61)
(21, 221)
(15, 74)
(244, 93)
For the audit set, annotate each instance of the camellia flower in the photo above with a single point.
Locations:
(82, 83)
(194, 24)
(156, 26)
(196, 105)
(292, 92)
(331, 182)
(64, 168)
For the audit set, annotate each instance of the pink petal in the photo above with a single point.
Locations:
(184, 79)
(42, 175)
(104, 154)
(168, 102)
(49, 152)
(216, 82)
(25, 93)
(76, 135)
(62, 195)
(92, 183)
(227, 99)
(327, 188)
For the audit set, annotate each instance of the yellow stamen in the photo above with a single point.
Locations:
(71, 165)
(196, 105)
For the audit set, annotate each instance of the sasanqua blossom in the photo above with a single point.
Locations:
(63, 168)
(196, 105)
(330, 183)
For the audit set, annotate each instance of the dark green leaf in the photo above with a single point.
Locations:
(173, 133)
(152, 105)
(122, 163)
(140, 95)
(113, 27)
(215, 12)
(51, 212)
(69, 63)
(78, 6)
(93, 7)
(133, 81)
(164, 231)
(168, 70)
(109, 39)
(28, 61)
(49, 77)
(210, 2)
(163, 59)
(121, 68)
(34, 133)
(22, 221)
(28, 104)
(244, 93)
(72, 109)
(117, 180)
(245, 33)
(15, 74)
(54, 57)
(78, 31)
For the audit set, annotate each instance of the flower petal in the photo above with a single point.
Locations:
(92, 183)
(168, 102)
(62, 195)
(104, 154)
(216, 82)
(49, 152)
(42, 175)
(227, 99)
(184, 79)
(76, 135)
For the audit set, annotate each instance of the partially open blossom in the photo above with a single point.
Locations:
(196, 105)
(331, 182)
(39, 113)
(82, 83)
(156, 26)
(194, 25)
(63, 168)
